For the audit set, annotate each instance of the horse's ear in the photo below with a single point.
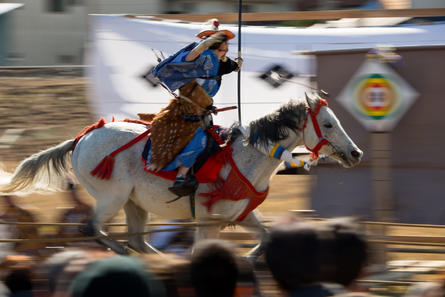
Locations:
(311, 102)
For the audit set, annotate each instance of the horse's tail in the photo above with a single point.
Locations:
(42, 171)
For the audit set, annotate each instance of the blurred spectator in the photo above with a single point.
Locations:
(5, 247)
(293, 257)
(116, 277)
(426, 289)
(61, 278)
(4, 291)
(79, 212)
(173, 271)
(344, 251)
(19, 283)
(213, 269)
(52, 268)
(18, 275)
(177, 242)
(247, 284)
(14, 213)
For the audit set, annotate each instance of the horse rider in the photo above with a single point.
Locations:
(178, 130)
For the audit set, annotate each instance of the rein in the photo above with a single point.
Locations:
(321, 140)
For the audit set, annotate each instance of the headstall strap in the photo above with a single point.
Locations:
(321, 140)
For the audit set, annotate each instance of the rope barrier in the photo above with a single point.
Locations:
(2, 222)
(392, 224)
(182, 226)
(192, 224)
(403, 224)
(388, 282)
(392, 242)
(88, 238)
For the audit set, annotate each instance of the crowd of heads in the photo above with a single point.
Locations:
(305, 258)
(302, 254)
(212, 269)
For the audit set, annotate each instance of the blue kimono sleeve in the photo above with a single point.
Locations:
(175, 72)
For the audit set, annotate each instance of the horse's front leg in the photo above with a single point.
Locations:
(254, 222)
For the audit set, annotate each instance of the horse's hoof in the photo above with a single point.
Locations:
(114, 246)
(145, 248)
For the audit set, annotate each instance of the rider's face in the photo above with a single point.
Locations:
(222, 50)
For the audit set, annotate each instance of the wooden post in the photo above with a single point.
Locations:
(382, 192)
(240, 13)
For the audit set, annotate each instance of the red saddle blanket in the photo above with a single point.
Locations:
(206, 174)
(235, 187)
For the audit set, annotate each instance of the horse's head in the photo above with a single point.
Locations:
(323, 134)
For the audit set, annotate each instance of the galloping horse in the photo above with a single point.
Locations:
(305, 122)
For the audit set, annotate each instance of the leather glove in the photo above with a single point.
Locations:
(238, 61)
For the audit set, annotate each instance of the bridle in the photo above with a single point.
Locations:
(321, 140)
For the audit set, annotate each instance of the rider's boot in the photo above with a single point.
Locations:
(184, 185)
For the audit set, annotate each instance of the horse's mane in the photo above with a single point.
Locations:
(272, 127)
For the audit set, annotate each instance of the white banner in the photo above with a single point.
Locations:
(122, 50)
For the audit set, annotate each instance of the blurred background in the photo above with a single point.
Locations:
(54, 32)
(50, 88)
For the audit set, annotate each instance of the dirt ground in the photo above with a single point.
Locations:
(47, 107)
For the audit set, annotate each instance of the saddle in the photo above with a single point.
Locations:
(175, 125)
(212, 148)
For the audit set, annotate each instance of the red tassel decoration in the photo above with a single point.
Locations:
(104, 169)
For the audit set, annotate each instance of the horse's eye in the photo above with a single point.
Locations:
(328, 125)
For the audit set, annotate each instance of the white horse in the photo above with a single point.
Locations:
(140, 192)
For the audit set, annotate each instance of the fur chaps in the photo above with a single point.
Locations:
(175, 125)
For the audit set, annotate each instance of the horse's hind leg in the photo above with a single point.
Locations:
(136, 220)
(107, 207)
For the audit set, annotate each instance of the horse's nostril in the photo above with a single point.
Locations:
(355, 154)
